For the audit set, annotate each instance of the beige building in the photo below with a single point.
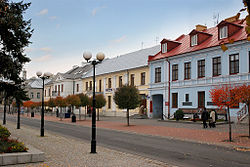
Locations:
(131, 68)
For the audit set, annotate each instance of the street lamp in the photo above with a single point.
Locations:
(44, 76)
(99, 56)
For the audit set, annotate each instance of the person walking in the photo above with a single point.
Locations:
(213, 118)
(204, 117)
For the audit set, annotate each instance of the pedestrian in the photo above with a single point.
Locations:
(213, 118)
(204, 117)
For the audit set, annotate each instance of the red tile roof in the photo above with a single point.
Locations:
(212, 41)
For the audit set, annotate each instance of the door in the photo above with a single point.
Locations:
(201, 99)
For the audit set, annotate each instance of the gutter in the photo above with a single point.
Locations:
(168, 88)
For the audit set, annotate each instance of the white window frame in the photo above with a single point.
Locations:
(194, 40)
(223, 32)
(164, 48)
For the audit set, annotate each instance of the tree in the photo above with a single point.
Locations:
(73, 100)
(100, 102)
(28, 105)
(15, 33)
(84, 102)
(224, 97)
(127, 97)
(51, 103)
(60, 102)
(242, 95)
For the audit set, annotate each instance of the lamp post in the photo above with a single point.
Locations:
(44, 76)
(87, 56)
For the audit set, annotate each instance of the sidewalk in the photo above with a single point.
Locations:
(71, 152)
(181, 131)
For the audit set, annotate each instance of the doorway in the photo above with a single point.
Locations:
(201, 99)
(157, 106)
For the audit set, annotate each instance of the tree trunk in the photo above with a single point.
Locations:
(18, 116)
(128, 116)
(61, 114)
(85, 112)
(4, 111)
(229, 123)
(80, 113)
(9, 109)
(248, 105)
(98, 119)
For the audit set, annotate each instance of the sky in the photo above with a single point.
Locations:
(64, 29)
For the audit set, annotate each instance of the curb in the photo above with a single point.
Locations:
(33, 155)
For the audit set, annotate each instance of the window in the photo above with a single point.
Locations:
(174, 100)
(157, 74)
(38, 95)
(77, 87)
(216, 66)
(55, 88)
(234, 63)
(49, 91)
(132, 79)
(187, 72)
(109, 102)
(120, 81)
(100, 85)
(31, 95)
(109, 83)
(143, 76)
(87, 85)
(187, 97)
(164, 48)
(58, 88)
(201, 68)
(194, 39)
(174, 72)
(62, 88)
(223, 32)
(90, 85)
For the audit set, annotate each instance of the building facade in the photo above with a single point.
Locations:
(112, 73)
(193, 64)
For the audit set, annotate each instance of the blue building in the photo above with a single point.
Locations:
(186, 69)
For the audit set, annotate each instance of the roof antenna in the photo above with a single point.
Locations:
(156, 40)
(216, 18)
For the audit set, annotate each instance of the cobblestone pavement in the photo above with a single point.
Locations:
(182, 131)
(67, 152)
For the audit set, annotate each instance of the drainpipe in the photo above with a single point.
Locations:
(168, 88)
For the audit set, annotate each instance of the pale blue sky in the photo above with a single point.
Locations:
(64, 29)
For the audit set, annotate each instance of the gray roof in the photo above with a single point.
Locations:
(37, 83)
(124, 62)
(77, 72)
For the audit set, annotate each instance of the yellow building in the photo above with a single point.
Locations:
(131, 68)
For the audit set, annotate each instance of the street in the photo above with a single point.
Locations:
(171, 151)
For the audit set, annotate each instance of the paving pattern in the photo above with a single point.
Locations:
(67, 152)
(182, 131)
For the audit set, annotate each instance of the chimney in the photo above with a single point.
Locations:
(24, 74)
(232, 19)
(200, 27)
(75, 66)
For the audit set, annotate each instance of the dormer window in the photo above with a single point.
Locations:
(223, 32)
(194, 40)
(164, 48)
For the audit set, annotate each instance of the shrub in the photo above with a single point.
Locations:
(4, 132)
(9, 145)
(179, 114)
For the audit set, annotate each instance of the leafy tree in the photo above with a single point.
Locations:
(127, 97)
(73, 100)
(224, 97)
(51, 103)
(84, 102)
(60, 102)
(242, 95)
(100, 102)
(15, 33)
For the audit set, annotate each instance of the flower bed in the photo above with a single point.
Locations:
(8, 145)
